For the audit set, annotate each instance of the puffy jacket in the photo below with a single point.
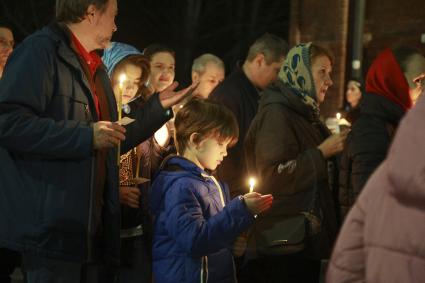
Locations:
(46, 151)
(382, 240)
(195, 225)
(366, 146)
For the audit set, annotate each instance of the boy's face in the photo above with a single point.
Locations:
(210, 153)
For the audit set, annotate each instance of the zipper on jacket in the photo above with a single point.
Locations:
(204, 269)
(220, 191)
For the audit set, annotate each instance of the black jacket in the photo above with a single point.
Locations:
(238, 94)
(366, 146)
(281, 151)
(47, 156)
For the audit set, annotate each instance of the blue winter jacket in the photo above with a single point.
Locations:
(193, 232)
(47, 191)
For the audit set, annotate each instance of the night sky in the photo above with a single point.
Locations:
(191, 27)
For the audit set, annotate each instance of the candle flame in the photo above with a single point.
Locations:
(251, 184)
(122, 79)
(338, 116)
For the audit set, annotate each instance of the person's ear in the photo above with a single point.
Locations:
(196, 142)
(195, 77)
(260, 60)
(91, 10)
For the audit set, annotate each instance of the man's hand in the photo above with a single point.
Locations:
(169, 97)
(130, 196)
(257, 203)
(107, 134)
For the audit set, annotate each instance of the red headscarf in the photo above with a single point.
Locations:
(386, 78)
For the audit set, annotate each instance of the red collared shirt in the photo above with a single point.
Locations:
(93, 62)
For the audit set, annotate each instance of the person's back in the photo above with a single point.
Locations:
(195, 222)
(382, 237)
(240, 92)
(389, 94)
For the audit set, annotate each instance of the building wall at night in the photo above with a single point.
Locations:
(329, 23)
(327, 26)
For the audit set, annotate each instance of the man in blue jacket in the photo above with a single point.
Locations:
(58, 147)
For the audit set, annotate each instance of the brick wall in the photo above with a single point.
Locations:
(329, 23)
(393, 22)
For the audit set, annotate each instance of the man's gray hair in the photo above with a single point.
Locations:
(201, 62)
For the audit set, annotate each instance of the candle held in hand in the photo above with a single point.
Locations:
(122, 80)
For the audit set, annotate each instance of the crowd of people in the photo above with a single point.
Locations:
(111, 172)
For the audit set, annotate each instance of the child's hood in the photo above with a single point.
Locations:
(172, 168)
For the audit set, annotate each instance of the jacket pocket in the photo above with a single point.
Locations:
(66, 107)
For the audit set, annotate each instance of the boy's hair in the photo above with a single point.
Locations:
(273, 47)
(200, 63)
(140, 61)
(206, 118)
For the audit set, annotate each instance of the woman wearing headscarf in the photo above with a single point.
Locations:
(288, 149)
(390, 92)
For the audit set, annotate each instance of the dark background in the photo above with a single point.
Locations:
(225, 28)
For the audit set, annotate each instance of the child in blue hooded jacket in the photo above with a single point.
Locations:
(195, 222)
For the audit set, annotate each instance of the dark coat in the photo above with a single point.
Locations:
(382, 240)
(281, 151)
(194, 231)
(366, 146)
(238, 94)
(46, 151)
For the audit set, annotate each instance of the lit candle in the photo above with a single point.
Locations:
(338, 119)
(338, 116)
(251, 184)
(122, 80)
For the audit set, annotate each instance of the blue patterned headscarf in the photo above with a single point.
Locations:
(296, 74)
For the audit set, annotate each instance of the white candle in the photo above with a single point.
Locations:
(338, 118)
(122, 80)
